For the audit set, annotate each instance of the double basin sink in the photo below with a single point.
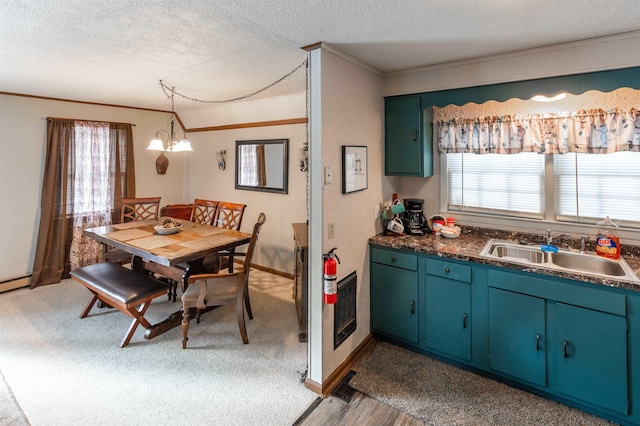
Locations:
(562, 260)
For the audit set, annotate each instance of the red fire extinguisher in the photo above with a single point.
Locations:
(330, 277)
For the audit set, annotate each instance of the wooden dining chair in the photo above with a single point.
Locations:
(133, 209)
(228, 216)
(177, 211)
(204, 211)
(221, 289)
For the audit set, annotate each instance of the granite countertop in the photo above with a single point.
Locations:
(472, 240)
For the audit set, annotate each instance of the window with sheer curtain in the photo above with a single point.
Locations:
(253, 170)
(88, 170)
(92, 183)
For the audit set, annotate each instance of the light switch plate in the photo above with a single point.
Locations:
(328, 175)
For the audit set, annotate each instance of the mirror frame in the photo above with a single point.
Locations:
(285, 165)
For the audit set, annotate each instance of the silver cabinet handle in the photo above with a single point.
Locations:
(447, 270)
(537, 342)
(413, 307)
(464, 320)
(393, 259)
(564, 349)
(415, 135)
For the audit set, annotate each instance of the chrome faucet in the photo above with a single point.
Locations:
(583, 241)
(549, 237)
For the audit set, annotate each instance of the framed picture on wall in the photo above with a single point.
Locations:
(354, 168)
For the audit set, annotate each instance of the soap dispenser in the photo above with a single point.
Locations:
(607, 241)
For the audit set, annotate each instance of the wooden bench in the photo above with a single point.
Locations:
(128, 291)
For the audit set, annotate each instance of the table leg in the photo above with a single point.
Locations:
(175, 318)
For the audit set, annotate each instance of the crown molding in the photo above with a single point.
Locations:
(336, 51)
(526, 52)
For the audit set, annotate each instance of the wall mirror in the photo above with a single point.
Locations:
(263, 165)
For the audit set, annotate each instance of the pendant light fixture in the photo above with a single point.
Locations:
(167, 141)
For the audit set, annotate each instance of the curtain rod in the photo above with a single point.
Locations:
(78, 119)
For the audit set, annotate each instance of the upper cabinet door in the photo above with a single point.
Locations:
(407, 144)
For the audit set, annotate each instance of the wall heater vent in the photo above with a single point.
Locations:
(344, 321)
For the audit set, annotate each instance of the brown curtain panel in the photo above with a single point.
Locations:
(51, 263)
(262, 166)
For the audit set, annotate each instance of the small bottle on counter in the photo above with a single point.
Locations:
(607, 241)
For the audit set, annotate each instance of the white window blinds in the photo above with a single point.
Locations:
(589, 187)
(510, 185)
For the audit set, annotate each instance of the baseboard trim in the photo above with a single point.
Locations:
(272, 271)
(314, 386)
(15, 283)
(343, 369)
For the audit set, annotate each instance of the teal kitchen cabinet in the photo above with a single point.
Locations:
(447, 304)
(394, 294)
(591, 349)
(408, 141)
(567, 340)
(580, 331)
(517, 335)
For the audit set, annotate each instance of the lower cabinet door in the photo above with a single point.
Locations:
(592, 356)
(517, 335)
(448, 316)
(394, 302)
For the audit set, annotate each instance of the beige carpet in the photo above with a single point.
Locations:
(10, 411)
(442, 395)
(69, 371)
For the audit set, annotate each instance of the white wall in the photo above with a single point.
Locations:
(352, 106)
(205, 180)
(22, 155)
(613, 52)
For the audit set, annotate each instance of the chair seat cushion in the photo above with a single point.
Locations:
(222, 287)
(119, 283)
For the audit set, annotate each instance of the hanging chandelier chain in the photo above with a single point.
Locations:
(173, 92)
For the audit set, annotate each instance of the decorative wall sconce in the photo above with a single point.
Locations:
(220, 158)
(303, 157)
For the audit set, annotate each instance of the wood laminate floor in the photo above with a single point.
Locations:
(359, 410)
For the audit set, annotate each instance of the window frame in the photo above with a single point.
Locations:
(481, 216)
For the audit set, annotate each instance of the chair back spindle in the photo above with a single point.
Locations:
(204, 211)
(139, 209)
(229, 215)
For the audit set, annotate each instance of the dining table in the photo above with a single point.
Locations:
(175, 256)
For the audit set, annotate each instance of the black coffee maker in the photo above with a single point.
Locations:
(415, 223)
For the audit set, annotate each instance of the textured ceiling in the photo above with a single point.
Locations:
(116, 51)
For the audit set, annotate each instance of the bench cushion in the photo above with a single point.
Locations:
(117, 282)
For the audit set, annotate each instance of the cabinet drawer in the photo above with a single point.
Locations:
(450, 270)
(394, 258)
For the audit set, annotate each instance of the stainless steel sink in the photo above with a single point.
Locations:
(588, 263)
(517, 253)
(563, 260)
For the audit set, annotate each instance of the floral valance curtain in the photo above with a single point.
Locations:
(594, 131)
